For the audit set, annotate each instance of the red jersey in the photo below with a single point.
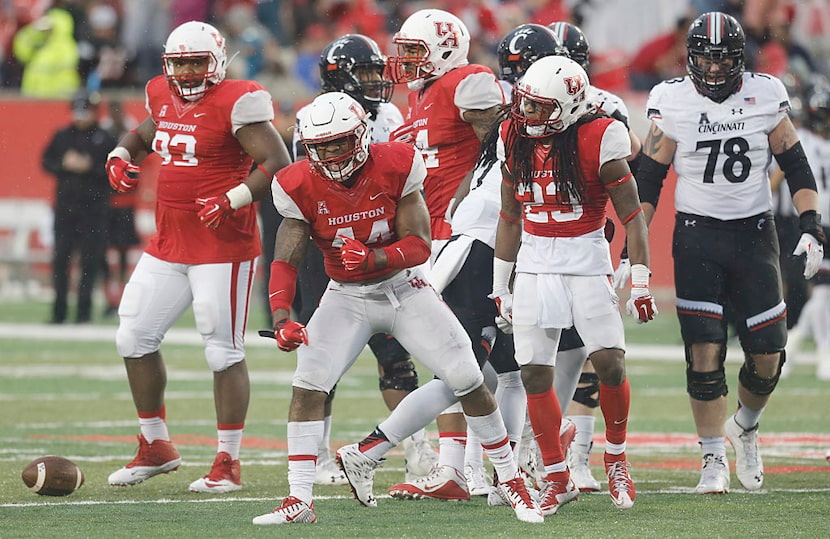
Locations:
(544, 215)
(448, 144)
(200, 158)
(365, 211)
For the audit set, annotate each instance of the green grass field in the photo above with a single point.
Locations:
(71, 398)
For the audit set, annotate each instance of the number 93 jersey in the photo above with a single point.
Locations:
(723, 152)
(201, 158)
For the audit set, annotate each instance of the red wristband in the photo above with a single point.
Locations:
(632, 216)
(508, 219)
(407, 252)
(282, 285)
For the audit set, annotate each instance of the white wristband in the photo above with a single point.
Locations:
(502, 269)
(240, 196)
(122, 152)
(639, 275)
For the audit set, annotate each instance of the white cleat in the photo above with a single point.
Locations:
(524, 505)
(476, 480)
(292, 511)
(327, 473)
(360, 472)
(748, 465)
(714, 477)
(420, 458)
(580, 466)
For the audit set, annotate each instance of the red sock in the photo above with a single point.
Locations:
(615, 402)
(546, 417)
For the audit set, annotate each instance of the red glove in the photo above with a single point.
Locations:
(641, 305)
(355, 255)
(123, 176)
(290, 335)
(215, 211)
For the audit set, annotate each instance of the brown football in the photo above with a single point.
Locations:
(52, 476)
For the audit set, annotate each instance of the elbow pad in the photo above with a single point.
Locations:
(650, 176)
(796, 169)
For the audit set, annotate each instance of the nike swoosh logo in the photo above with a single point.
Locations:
(426, 107)
(373, 197)
(199, 115)
(275, 293)
(621, 421)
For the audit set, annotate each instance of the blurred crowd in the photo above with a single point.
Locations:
(50, 48)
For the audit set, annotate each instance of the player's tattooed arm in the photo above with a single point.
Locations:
(482, 120)
(658, 146)
(292, 241)
(782, 137)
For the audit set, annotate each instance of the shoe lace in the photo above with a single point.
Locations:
(618, 477)
(517, 493)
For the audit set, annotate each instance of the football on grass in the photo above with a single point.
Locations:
(53, 476)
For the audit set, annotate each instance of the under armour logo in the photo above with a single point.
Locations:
(737, 111)
(690, 222)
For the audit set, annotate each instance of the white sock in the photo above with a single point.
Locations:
(230, 441)
(473, 451)
(715, 445)
(452, 446)
(510, 394)
(584, 429)
(490, 430)
(417, 410)
(153, 428)
(324, 451)
(747, 418)
(303, 441)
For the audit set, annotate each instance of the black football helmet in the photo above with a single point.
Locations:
(524, 45)
(715, 36)
(339, 63)
(818, 109)
(574, 40)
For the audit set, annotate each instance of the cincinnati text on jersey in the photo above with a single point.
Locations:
(719, 128)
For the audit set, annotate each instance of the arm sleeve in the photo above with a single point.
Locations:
(250, 108)
(478, 91)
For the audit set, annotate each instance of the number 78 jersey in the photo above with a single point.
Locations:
(723, 152)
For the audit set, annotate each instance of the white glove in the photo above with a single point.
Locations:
(504, 302)
(504, 325)
(622, 273)
(810, 246)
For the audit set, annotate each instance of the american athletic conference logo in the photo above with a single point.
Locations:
(322, 209)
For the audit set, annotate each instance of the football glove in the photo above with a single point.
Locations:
(813, 249)
(214, 211)
(622, 273)
(123, 176)
(504, 303)
(290, 335)
(641, 305)
(354, 255)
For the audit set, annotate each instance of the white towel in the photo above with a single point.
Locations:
(449, 262)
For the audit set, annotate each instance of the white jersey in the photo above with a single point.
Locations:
(388, 119)
(817, 150)
(723, 155)
(607, 103)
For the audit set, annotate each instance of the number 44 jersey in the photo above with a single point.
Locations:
(723, 150)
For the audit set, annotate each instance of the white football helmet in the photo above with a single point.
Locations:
(444, 41)
(555, 85)
(332, 116)
(194, 40)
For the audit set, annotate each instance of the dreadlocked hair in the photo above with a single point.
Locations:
(487, 152)
(562, 157)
